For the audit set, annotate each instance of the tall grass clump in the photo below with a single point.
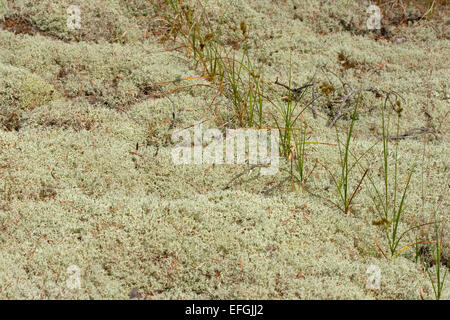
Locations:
(292, 129)
(438, 275)
(244, 87)
(342, 179)
(238, 79)
(288, 117)
(388, 201)
(431, 254)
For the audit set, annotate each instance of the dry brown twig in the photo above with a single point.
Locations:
(242, 173)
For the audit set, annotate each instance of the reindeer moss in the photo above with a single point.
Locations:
(87, 180)
(24, 90)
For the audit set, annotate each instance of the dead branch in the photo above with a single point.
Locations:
(340, 112)
(241, 174)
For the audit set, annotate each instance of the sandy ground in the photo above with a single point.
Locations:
(88, 189)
